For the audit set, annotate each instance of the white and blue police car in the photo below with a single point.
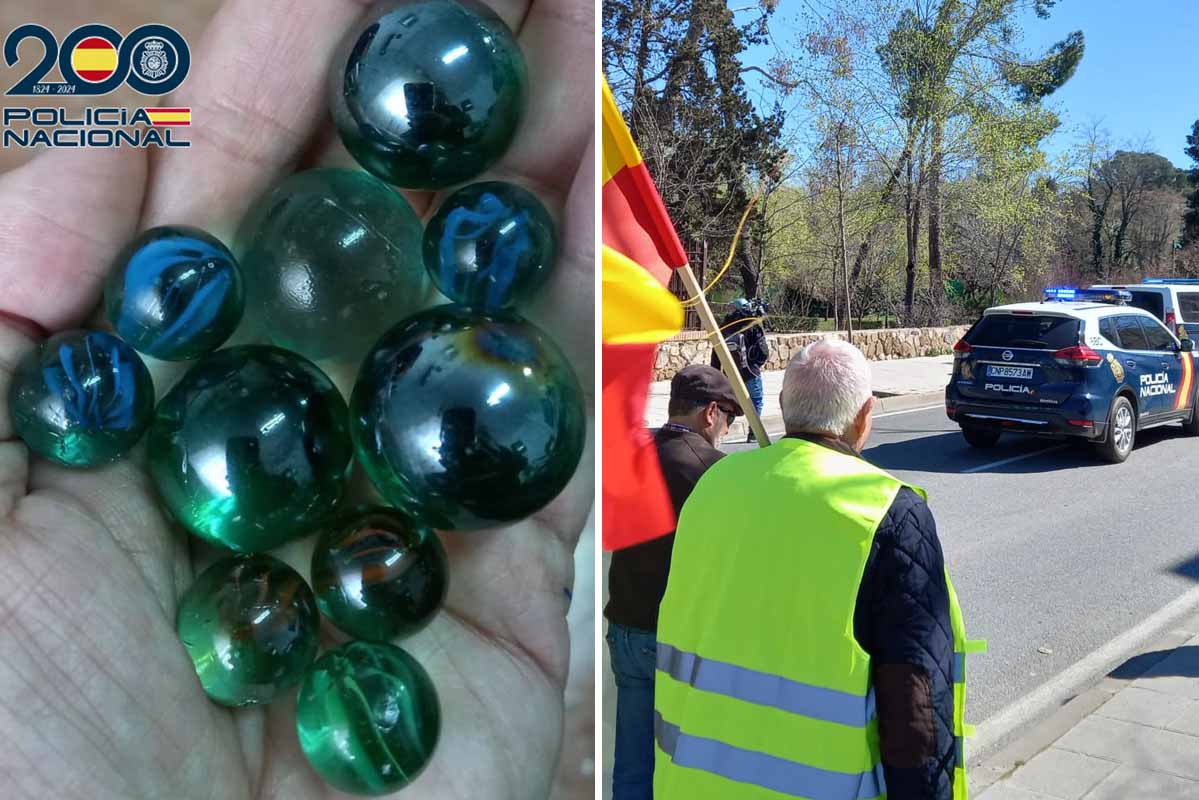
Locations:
(1080, 363)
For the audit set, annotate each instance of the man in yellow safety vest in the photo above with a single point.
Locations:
(810, 643)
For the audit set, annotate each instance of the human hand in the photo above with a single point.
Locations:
(98, 699)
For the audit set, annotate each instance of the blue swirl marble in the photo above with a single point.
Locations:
(83, 398)
(175, 293)
(490, 245)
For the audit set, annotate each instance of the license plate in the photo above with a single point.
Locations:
(1023, 373)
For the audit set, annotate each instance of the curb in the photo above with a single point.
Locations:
(1041, 735)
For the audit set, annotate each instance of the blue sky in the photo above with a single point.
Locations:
(1139, 76)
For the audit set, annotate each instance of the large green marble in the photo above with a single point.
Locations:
(428, 93)
(378, 574)
(250, 449)
(368, 717)
(490, 245)
(331, 259)
(81, 398)
(251, 627)
(467, 420)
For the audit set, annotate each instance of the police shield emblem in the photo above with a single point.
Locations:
(155, 62)
(1117, 368)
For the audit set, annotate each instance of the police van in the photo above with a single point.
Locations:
(1175, 301)
(1080, 363)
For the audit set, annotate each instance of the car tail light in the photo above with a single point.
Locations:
(1078, 356)
(950, 410)
(1023, 313)
(1172, 322)
(961, 348)
(1081, 423)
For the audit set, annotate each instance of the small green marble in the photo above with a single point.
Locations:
(331, 259)
(378, 574)
(428, 93)
(467, 420)
(81, 398)
(251, 627)
(251, 448)
(490, 245)
(367, 717)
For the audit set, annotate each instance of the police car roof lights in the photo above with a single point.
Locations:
(1180, 281)
(1069, 294)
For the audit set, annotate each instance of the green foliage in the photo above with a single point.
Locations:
(1190, 233)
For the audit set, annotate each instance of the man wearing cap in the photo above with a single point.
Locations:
(702, 406)
(810, 643)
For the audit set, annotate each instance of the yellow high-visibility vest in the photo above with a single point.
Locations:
(762, 691)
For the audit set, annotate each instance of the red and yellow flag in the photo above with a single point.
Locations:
(640, 250)
(169, 116)
(94, 59)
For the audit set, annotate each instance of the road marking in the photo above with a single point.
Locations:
(1014, 459)
(907, 411)
(1057, 690)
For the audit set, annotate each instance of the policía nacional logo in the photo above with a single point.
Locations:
(94, 60)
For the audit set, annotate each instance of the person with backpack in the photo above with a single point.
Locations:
(746, 340)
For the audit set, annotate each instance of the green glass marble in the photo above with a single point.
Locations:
(251, 627)
(367, 717)
(428, 93)
(490, 245)
(378, 574)
(331, 259)
(466, 420)
(81, 398)
(250, 449)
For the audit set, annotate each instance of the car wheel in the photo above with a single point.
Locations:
(1121, 431)
(1191, 426)
(980, 437)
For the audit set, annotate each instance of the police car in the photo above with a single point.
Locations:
(1080, 363)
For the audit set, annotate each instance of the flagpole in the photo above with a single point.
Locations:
(708, 320)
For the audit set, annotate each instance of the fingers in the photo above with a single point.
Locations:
(257, 92)
(62, 225)
(558, 40)
(66, 214)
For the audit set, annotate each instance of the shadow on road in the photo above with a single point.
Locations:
(947, 452)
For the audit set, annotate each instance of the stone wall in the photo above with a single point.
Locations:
(691, 347)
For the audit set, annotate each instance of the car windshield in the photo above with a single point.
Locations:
(1008, 330)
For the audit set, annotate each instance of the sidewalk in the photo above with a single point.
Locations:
(901, 383)
(1135, 735)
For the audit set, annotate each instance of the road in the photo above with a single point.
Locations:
(1047, 546)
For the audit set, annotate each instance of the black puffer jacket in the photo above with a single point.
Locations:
(902, 620)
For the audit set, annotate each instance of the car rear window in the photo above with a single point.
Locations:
(1009, 330)
(1188, 306)
(1149, 301)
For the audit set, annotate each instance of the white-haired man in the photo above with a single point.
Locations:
(809, 642)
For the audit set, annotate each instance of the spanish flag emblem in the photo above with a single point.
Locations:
(169, 116)
(94, 59)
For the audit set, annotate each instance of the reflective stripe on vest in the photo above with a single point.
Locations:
(760, 769)
(765, 689)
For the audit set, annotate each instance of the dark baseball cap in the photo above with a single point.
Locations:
(703, 384)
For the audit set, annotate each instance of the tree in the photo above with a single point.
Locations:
(1190, 233)
(950, 57)
(675, 69)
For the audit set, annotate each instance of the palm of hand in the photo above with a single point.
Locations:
(97, 697)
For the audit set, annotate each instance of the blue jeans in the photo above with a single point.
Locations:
(754, 387)
(634, 656)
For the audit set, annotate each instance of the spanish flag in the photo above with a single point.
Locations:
(640, 250)
(169, 116)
